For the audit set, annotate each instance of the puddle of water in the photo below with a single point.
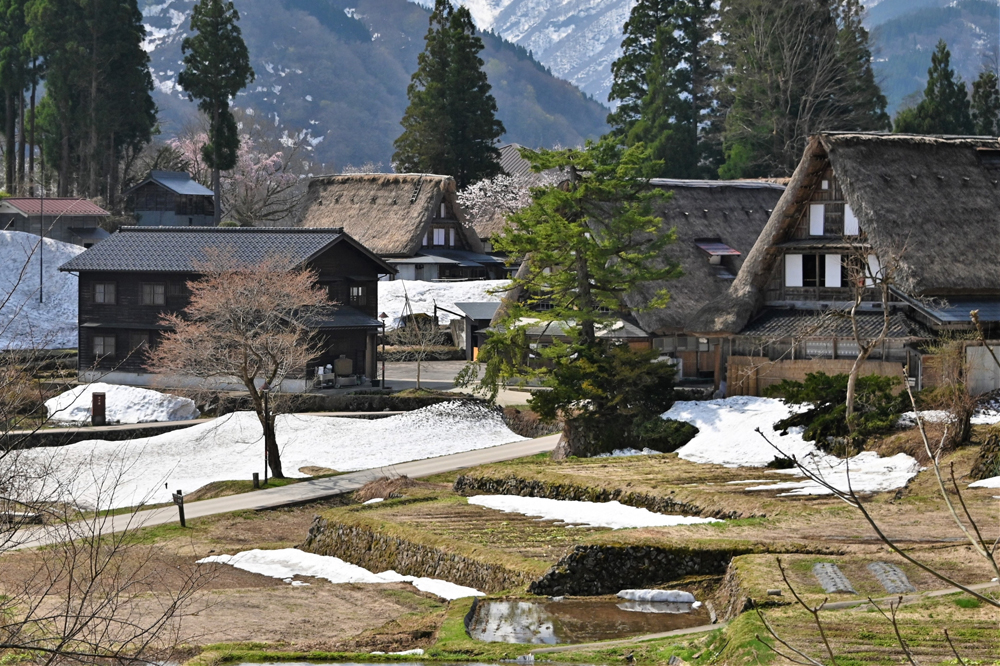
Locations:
(578, 621)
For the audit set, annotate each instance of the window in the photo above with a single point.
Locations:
(138, 341)
(439, 236)
(154, 294)
(819, 348)
(104, 293)
(850, 222)
(104, 346)
(817, 219)
(359, 296)
(813, 270)
(825, 185)
(834, 276)
(451, 237)
(874, 270)
(425, 242)
(444, 211)
(793, 270)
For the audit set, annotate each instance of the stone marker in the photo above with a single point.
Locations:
(832, 578)
(892, 578)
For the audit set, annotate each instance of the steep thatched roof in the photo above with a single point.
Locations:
(388, 213)
(733, 212)
(932, 201)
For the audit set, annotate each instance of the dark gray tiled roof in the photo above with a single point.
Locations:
(338, 316)
(482, 310)
(185, 249)
(799, 324)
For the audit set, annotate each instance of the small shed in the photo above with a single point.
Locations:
(171, 199)
(68, 219)
(468, 331)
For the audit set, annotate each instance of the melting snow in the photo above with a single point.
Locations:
(231, 447)
(423, 295)
(595, 514)
(124, 404)
(288, 562)
(662, 596)
(726, 436)
(24, 322)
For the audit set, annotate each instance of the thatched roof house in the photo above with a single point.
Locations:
(930, 202)
(717, 223)
(857, 203)
(411, 220)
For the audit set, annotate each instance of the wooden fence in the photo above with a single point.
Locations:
(750, 375)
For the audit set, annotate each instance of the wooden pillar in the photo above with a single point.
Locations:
(370, 356)
(718, 363)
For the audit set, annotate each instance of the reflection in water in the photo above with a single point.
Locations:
(578, 621)
(655, 607)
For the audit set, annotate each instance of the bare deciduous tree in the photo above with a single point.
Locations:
(419, 334)
(248, 324)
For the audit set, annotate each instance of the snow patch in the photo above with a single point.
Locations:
(124, 404)
(423, 295)
(662, 596)
(231, 447)
(24, 322)
(726, 436)
(285, 563)
(595, 514)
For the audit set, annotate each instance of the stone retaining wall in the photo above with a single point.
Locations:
(608, 569)
(375, 551)
(514, 485)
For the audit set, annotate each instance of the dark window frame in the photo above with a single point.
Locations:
(152, 300)
(103, 300)
(102, 340)
(359, 295)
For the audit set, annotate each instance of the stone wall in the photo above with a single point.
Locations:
(514, 485)
(377, 551)
(608, 569)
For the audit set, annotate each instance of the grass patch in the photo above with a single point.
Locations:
(968, 602)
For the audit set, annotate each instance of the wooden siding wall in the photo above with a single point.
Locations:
(154, 197)
(750, 375)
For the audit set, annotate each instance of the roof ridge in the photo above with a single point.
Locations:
(245, 230)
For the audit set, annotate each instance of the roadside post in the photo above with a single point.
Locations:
(98, 409)
(256, 480)
(265, 389)
(383, 316)
(178, 498)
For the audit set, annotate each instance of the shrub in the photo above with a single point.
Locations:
(876, 408)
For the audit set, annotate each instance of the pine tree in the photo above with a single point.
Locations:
(986, 104)
(793, 68)
(450, 125)
(13, 79)
(945, 108)
(216, 67)
(677, 116)
(586, 243)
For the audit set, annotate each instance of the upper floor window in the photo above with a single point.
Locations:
(814, 270)
(817, 219)
(154, 294)
(104, 293)
(359, 296)
(439, 235)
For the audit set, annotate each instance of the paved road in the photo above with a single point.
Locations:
(310, 491)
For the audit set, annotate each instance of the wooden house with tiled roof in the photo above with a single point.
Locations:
(129, 281)
(68, 219)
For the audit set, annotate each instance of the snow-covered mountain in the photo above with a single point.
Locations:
(577, 39)
(336, 72)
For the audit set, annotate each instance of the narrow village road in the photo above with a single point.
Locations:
(310, 491)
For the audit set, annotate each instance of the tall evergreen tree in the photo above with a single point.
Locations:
(677, 114)
(945, 108)
(216, 67)
(13, 80)
(450, 126)
(794, 68)
(986, 104)
(98, 88)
